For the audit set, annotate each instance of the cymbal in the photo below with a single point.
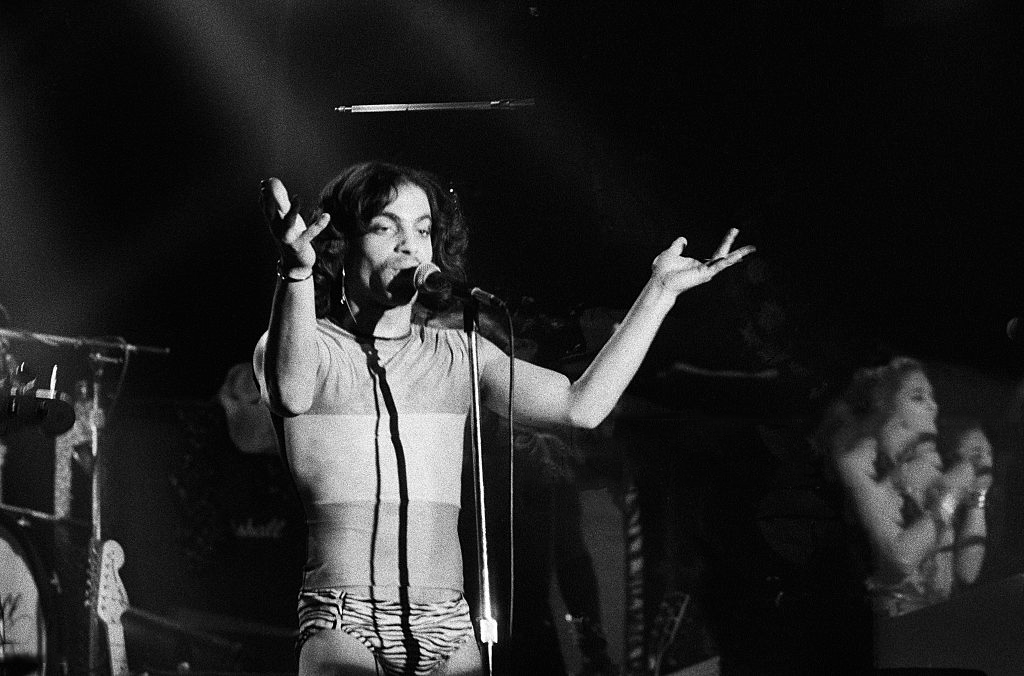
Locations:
(51, 410)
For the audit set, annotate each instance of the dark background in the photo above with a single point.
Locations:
(872, 152)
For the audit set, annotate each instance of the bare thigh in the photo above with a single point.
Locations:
(465, 661)
(332, 652)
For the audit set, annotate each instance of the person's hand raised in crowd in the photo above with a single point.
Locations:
(949, 490)
(294, 238)
(959, 478)
(974, 448)
(677, 273)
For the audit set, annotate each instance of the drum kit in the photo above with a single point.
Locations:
(42, 612)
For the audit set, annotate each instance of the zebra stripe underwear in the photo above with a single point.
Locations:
(406, 639)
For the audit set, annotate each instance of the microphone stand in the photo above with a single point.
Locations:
(488, 625)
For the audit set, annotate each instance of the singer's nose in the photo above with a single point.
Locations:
(403, 241)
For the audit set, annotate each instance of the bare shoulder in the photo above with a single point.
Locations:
(857, 463)
(876, 500)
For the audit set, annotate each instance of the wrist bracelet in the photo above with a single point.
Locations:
(288, 280)
(943, 512)
(941, 518)
(978, 499)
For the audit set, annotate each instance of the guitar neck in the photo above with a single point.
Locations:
(118, 656)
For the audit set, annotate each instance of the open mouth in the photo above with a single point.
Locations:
(402, 280)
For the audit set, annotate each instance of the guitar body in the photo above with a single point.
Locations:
(111, 603)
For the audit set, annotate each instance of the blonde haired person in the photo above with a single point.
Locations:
(924, 522)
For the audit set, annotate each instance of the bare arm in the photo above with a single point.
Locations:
(971, 544)
(972, 535)
(547, 397)
(878, 509)
(288, 360)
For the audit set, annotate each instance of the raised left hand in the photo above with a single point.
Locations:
(974, 448)
(677, 273)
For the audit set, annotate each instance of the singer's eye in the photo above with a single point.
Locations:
(424, 232)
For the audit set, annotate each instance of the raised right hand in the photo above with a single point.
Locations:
(294, 239)
(959, 479)
(975, 448)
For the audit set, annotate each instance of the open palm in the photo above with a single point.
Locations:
(677, 273)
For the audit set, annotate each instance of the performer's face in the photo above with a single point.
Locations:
(399, 239)
(914, 405)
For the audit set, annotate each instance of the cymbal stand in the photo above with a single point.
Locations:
(97, 362)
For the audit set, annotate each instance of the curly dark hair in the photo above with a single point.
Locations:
(355, 197)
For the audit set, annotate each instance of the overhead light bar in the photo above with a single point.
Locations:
(500, 104)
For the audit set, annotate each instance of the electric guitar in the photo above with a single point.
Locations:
(111, 602)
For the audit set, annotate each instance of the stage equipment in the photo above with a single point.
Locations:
(29, 640)
(499, 104)
(487, 624)
(50, 410)
(980, 628)
(429, 278)
(92, 604)
(23, 404)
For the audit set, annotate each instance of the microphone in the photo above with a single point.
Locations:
(1013, 328)
(429, 278)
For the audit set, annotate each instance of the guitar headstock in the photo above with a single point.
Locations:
(112, 598)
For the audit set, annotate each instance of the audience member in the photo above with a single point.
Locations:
(924, 521)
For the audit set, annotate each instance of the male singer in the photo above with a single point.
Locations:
(372, 410)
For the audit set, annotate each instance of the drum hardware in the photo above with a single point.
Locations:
(56, 414)
(26, 602)
(48, 398)
(49, 410)
(23, 404)
(79, 343)
(24, 512)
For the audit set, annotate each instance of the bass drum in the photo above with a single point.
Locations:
(26, 604)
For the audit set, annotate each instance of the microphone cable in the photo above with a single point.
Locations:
(511, 470)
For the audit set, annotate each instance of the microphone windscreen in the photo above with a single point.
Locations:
(1013, 328)
(428, 278)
